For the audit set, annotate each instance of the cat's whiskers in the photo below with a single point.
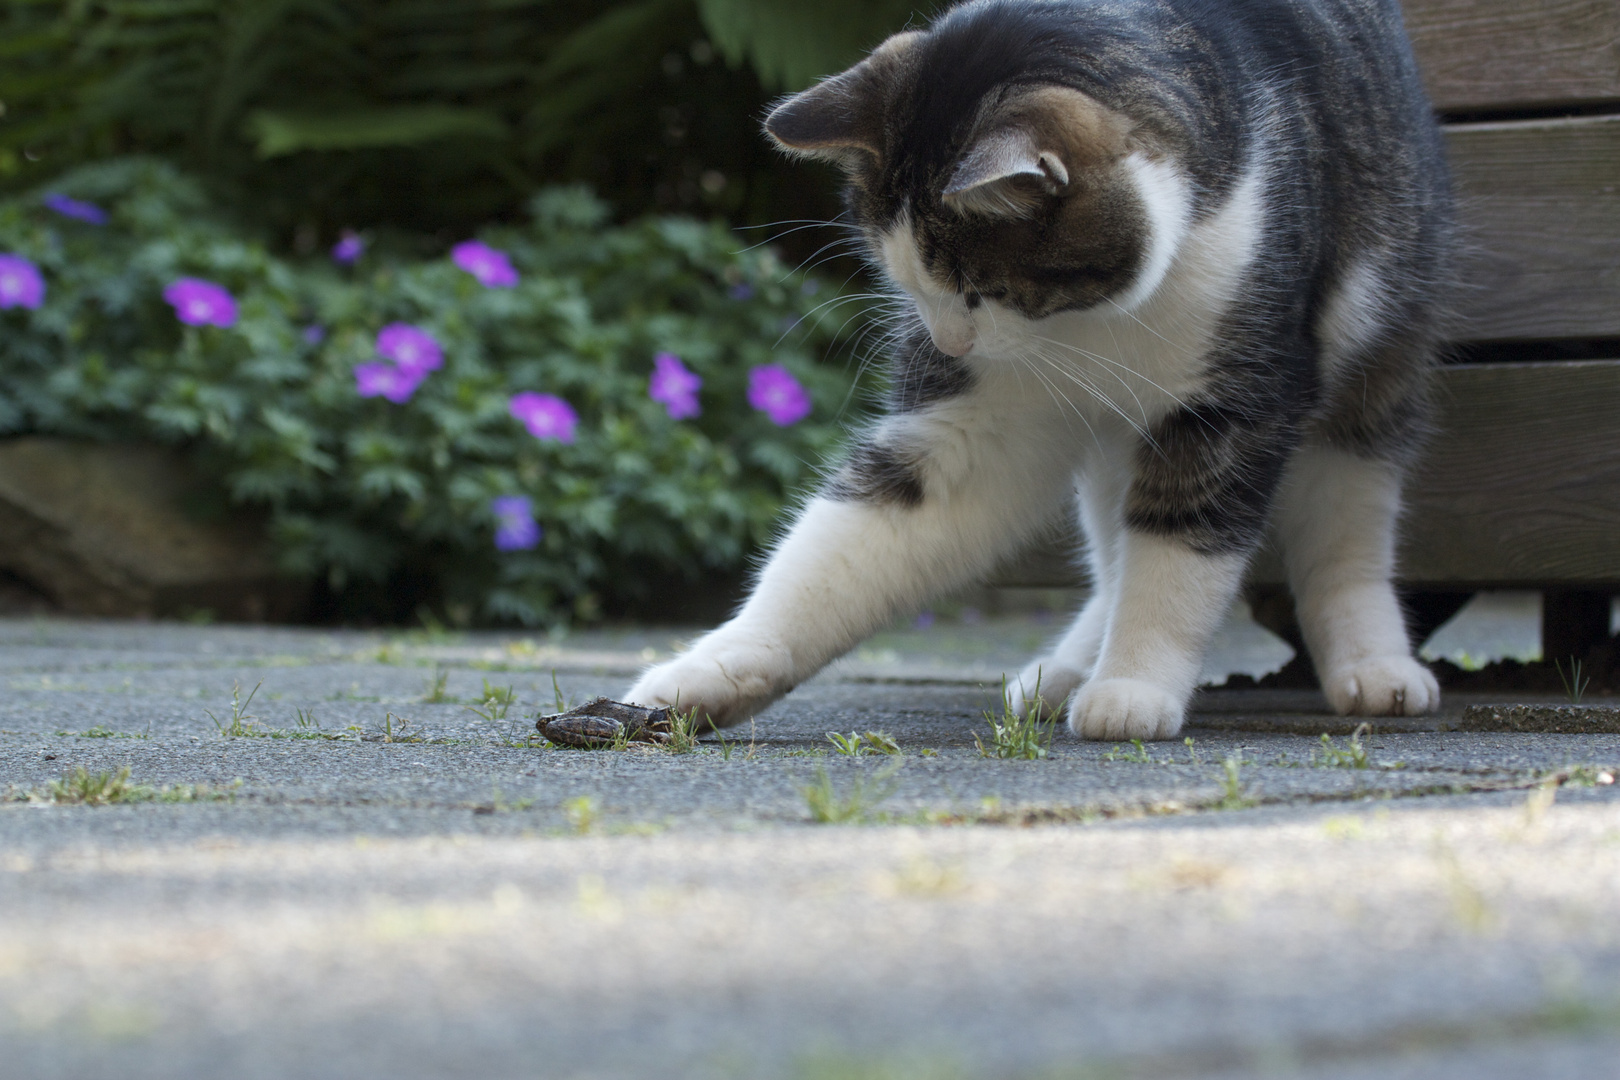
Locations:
(1076, 377)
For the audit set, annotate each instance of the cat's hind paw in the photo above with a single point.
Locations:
(1055, 681)
(1383, 686)
(1125, 709)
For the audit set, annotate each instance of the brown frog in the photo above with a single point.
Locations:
(602, 722)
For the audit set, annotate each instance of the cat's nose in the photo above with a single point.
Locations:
(953, 337)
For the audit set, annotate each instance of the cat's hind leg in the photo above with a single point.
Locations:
(1336, 519)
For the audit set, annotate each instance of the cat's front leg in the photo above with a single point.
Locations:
(847, 567)
(1171, 599)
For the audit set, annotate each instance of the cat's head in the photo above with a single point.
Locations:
(990, 189)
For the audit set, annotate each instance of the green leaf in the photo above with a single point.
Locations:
(791, 45)
(278, 133)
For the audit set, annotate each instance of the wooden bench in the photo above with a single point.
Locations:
(1522, 487)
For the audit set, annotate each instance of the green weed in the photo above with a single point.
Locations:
(582, 814)
(1234, 796)
(436, 694)
(858, 745)
(683, 731)
(81, 787)
(827, 806)
(1574, 684)
(1137, 754)
(1192, 752)
(1018, 735)
(495, 702)
(242, 723)
(1351, 756)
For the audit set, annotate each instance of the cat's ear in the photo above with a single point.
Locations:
(842, 114)
(1029, 148)
(1005, 174)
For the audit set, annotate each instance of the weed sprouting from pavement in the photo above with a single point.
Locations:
(582, 814)
(1192, 751)
(242, 723)
(1352, 756)
(1138, 753)
(82, 787)
(495, 702)
(683, 731)
(856, 744)
(1018, 734)
(1574, 685)
(1234, 796)
(828, 807)
(436, 689)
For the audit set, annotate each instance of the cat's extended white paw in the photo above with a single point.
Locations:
(1125, 709)
(1055, 680)
(1383, 686)
(728, 683)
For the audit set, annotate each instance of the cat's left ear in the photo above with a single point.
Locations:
(842, 114)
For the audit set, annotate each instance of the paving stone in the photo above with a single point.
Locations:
(413, 889)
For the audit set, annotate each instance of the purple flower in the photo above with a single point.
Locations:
(314, 334)
(774, 391)
(924, 620)
(201, 303)
(489, 265)
(545, 415)
(741, 291)
(515, 527)
(411, 347)
(20, 283)
(386, 381)
(74, 208)
(674, 386)
(348, 248)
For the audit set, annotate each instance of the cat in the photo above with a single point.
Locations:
(1181, 265)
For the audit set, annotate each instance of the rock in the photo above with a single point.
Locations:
(111, 530)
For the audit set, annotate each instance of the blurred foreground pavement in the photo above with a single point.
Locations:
(399, 886)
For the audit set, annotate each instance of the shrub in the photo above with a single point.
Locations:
(406, 482)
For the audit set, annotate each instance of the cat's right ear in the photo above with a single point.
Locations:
(843, 114)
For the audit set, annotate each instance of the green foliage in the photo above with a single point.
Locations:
(791, 45)
(359, 490)
(313, 115)
(829, 807)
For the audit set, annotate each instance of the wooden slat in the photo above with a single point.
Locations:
(1523, 485)
(1520, 489)
(1541, 207)
(1513, 54)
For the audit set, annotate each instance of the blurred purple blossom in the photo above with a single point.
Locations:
(349, 248)
(386, 381)
(741, 291)
(774, 391)
(314, 334)
(515, 527)
(411, 347)
(545, 415)
(20, 283)
(924, 620)
(201, 303)
(674, 386)
(75, 208)
(489, 265)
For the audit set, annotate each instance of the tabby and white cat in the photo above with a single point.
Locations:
(1181, 263)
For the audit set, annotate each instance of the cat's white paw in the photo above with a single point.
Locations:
(1055, 680)
(728, 683)
(1125, 709)
(1383, 686)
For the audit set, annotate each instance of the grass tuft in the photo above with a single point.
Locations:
(829, 807)
(1574, 684)
(1020, 735)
